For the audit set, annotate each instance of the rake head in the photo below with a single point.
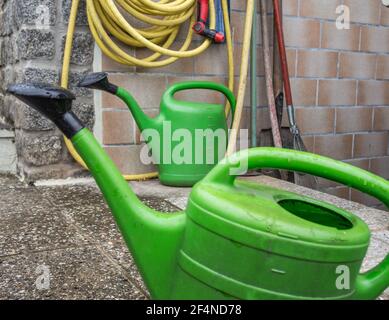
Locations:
(302, 179)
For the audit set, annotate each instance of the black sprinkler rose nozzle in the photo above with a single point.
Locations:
(55, 103)
(99, 81)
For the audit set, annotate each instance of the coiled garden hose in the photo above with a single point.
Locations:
(106, 20)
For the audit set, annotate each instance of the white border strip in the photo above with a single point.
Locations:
(63, 182)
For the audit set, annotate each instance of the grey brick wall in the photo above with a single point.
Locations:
(32, 37)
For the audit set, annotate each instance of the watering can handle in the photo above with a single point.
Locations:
(276, 158)
(375, 280)
(188, 85)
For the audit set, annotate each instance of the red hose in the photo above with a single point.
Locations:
(203, 10)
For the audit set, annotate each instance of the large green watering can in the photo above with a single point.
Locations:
(236, 239)
(187, 138)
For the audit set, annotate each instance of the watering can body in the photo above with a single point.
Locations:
(187, 138)
(264, 243)
(236, 239)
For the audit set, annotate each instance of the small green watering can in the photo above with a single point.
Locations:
(187, 138)
(236, 239)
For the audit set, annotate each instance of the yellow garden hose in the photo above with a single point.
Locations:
(106, 22)
(230, 50)
(243, 77)
(104, 17)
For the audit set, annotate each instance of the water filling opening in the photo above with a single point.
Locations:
(316, 214)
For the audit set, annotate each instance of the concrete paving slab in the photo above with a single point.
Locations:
(39, 233)
(10, 182)
(118, 252)
(20, 196)
(382, 235)
(80, 273)
(95, 221)
(27, 223)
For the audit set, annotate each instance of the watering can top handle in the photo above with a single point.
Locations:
(304, 162)
(188, 85)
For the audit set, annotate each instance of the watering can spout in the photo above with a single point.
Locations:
(100, 81)
(372, 283)
(152, 237)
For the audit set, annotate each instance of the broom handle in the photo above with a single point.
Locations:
(277, 76)
(268, 77)
(284, 66)
(281, 48)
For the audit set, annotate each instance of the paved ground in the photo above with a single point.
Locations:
(68, 231)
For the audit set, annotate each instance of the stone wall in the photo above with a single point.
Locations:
(32, 35)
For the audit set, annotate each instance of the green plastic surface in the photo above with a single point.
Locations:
(182, 162)
(242, 240)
